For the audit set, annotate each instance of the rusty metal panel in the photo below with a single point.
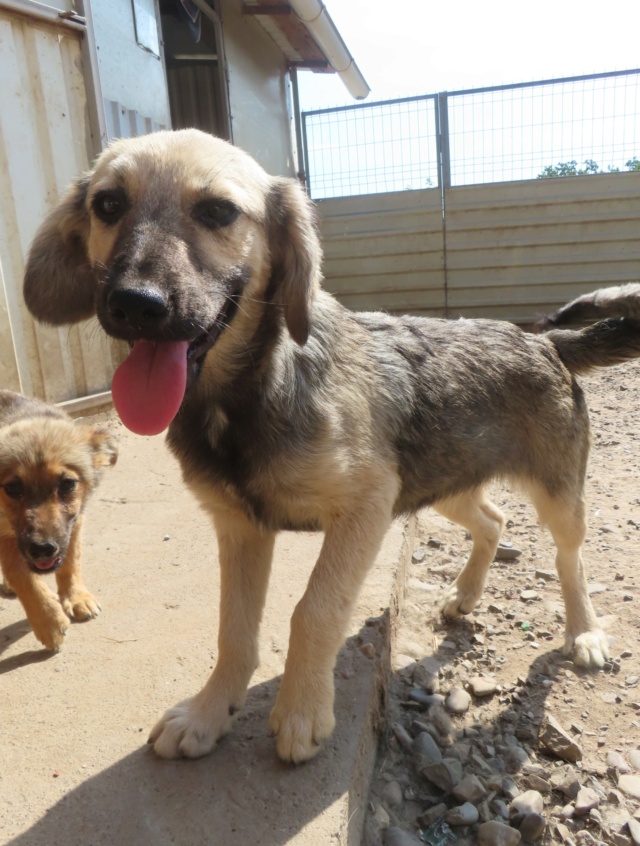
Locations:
(385, 251)
(518, 250)
(44, 143)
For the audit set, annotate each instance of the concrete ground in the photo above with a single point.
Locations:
(74, 764)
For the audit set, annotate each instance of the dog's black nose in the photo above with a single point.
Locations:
(42, 551)
(139, 307)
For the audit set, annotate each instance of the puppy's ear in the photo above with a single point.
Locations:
(105, 451)
(296, 254)
(59, 283)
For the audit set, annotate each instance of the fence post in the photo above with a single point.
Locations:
(305, 154)
(442, 140)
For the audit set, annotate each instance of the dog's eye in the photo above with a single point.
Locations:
(109, 206)
(215, 214)
(67, 486)
(14, 489)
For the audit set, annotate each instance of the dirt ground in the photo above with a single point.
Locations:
(514, 639)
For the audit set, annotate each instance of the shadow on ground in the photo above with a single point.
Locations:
(241, 794)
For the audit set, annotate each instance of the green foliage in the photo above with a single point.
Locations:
(590, 167)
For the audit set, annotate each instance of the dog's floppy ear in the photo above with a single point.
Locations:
(296, 254)
(59, 283)
(105, 451)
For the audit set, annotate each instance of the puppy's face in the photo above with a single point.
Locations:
(168, 236)
(180, 243)
(48, 468)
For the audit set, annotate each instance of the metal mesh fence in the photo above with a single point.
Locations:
(587, 124)
(390, 146)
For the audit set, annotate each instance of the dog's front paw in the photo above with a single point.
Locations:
(301, 729)
(188, 730)
(50, 626)
(458, 601)
(589, 649)
(81, 605)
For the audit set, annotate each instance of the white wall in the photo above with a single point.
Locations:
(259, 95)
(129, 76)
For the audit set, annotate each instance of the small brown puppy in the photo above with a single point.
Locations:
(49, 466)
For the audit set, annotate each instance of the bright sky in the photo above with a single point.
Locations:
(407, 47)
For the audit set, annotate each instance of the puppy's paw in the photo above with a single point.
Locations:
(301, 731)
(50, 627)
(188, 731)
(81, 605)
(458, 601)
(589, 649)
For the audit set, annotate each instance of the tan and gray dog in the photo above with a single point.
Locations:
(49, 466)
(287, 411)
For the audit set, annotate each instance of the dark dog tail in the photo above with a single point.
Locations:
(601, 345)
(618, 301)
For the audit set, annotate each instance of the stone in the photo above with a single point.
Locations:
(630, 785)
(423, 698)
(528, 595)
(495, 833)
(425, 751)
(500, 807)
(445, 774)
(586, 800)
(483, 685)
(509, 788)
(381, 817)
(529, 802)
(402, 736)
(516, 759)
(425, 674)
(563, 833)
(565, 780)
(392, 794)
(507, 552)
(419, 555)
(634, 830)
(532, 827)
(615, 759)
(395, 836)
(431, 815)
(458, 701)
(469, 789)
(466, 814)
(634, 758)
(554, 740)
(536, 782)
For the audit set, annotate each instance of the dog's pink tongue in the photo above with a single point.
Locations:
(149, 386)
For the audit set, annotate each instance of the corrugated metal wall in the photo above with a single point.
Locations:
(509, 250)
(44, 144)
(385, 251)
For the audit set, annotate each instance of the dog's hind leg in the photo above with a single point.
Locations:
(564, 515)
(192, 727)
(76, 600)
(303, 713)
(484, 521)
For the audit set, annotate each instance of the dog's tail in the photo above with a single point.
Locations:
(617, 301)
(605, 343)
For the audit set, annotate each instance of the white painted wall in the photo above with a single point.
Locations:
(129, 75)
(259, 95)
